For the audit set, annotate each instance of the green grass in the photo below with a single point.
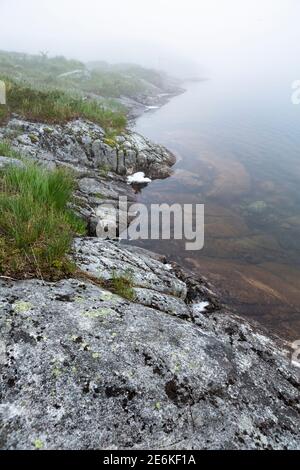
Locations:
(105, 80)
(7, 151)
(36, 68)
(36, 225)
(37, 91)
(56, 106)
(112, 84)
(122, 284)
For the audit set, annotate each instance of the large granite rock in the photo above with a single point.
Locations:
(82, 368)
(84, 147)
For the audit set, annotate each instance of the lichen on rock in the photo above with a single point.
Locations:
(78, 369)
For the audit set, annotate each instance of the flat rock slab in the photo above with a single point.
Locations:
(104, 259)
(82, 368)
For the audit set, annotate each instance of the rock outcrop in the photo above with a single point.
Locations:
(82, 146)
(83, 368)
(99, 164)
(171, 368)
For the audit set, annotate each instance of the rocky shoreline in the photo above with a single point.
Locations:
(142, 103)
(83, 368)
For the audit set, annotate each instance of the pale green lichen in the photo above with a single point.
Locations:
(99, 313)
(78, 299)
(75, 338)
(129, 374)
(177, 368)
(34, 138)
(95, 355)
(48, 130)
(106, 296)
(84, 346)
(157, 406)
(56, 371)
(38, 444)
(21, 306)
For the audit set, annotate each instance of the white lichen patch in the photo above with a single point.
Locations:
(10, 411)
(2, 352)
(200, 307)
(168, 267)
(263, 339)
(245, 424)
(244, 362)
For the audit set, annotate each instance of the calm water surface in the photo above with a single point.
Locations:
(238, 152)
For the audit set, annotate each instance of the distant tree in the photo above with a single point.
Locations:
(44, 55)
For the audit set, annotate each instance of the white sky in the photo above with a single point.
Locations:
(160, 33)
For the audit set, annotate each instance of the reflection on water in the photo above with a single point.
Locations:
(240, 155)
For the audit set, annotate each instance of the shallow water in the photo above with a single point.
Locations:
(238, 152)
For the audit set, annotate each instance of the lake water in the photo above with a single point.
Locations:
(238, 152)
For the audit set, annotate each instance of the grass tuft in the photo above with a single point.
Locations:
(7, 151)
(122, 285)
(36, 225)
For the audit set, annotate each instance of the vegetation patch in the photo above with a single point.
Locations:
(122, 285)
(36, 225)
(61, 75)
(7, 151)
(56, 106)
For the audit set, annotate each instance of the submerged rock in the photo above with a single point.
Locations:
(257, 207)
(83, 368)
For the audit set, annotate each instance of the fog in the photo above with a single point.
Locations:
(182, 37)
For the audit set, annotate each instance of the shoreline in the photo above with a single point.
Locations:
(164, 350)
(114, 183)
(218, 261)
(138, 108)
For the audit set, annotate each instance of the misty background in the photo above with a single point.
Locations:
(194, 37)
